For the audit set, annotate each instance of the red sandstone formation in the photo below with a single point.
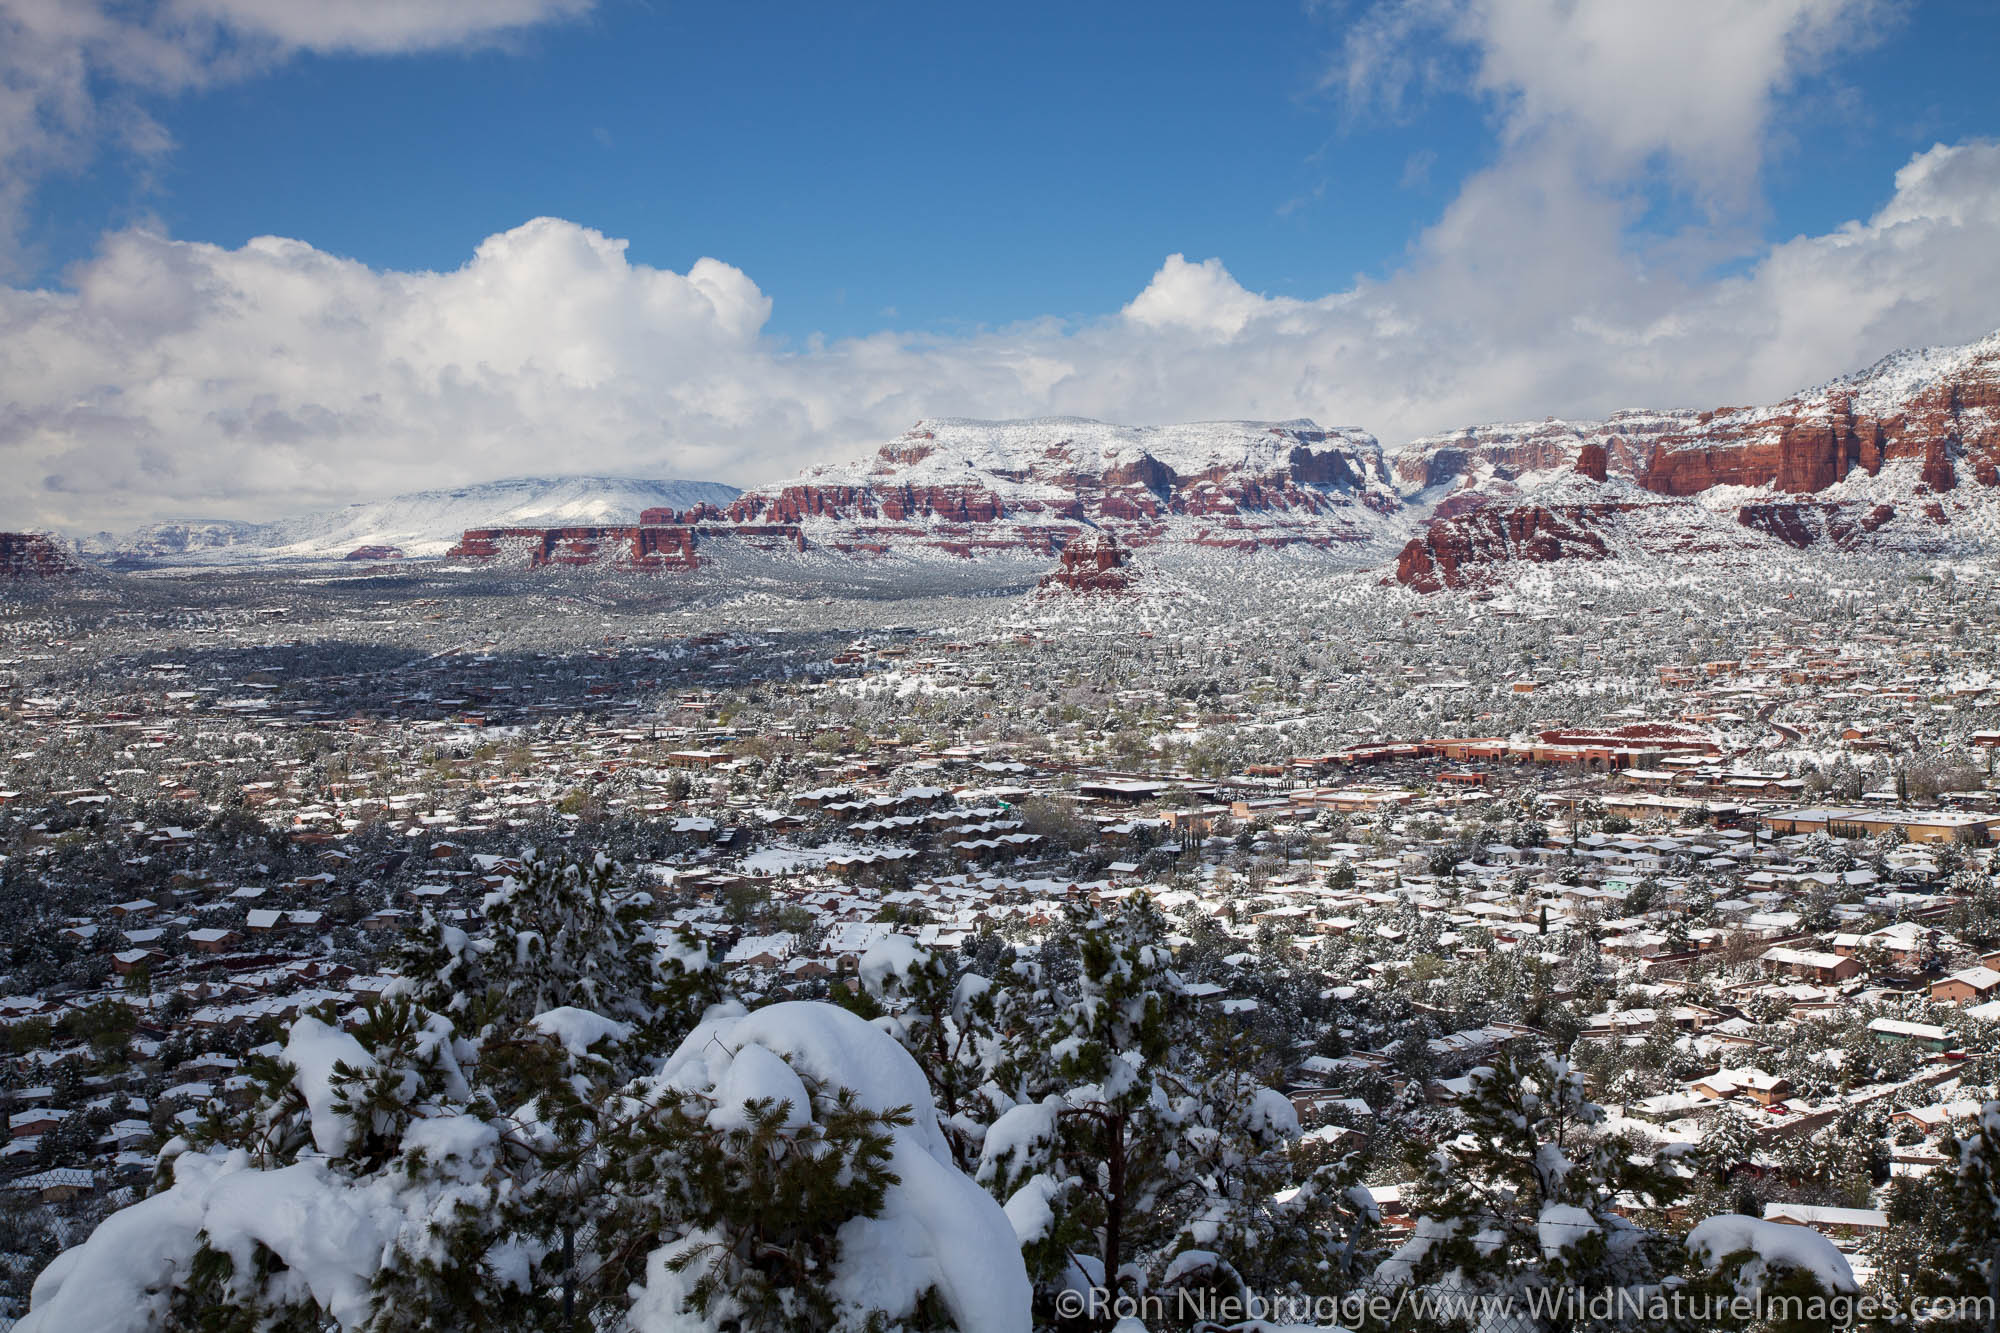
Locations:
(644, 546)
(1807, 523)
(965, 487)
(1462, 551)
(1539, 446)
(1091, 565)
(1940, 409)
(30, 555)
(1592, 461)
(1936, 413)
(375, 553)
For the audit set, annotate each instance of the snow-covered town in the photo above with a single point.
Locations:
(1723, 853)
(1322, 667)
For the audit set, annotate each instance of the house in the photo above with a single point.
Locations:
(1906, 943)
(1828, 1221)
(1810, 964)
(213, 940)
(57, 1185)
(1932, 1118)
(1916, 825)
(1972, 986)
(1892, 1030)
(127, 961)
(762, 950)
(1754, 1084)
(34, 1121)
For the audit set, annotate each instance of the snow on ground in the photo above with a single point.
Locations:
(421, 523)
(955, 450)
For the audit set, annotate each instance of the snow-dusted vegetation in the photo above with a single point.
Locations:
(905, 946)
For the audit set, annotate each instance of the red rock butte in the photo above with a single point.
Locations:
(1091, 565)
(1036, 486)
(31, 555)
(658, 542)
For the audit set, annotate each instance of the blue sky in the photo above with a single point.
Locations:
(877, 165)
(924, 166)
(729, 241)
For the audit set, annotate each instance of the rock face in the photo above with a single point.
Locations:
(1904, 454)
(1510, 450)
(32, 556)
(1091, 565)
(648, 545)
(1803, 523)
(638, 547)
(1937, 409)
(1592, 461)
(972, 487)
(1466, 551)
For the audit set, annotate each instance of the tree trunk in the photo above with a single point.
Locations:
(1114, 1204)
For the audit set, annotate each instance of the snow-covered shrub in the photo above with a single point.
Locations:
(477, 1151)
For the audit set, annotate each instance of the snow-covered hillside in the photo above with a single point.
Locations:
(942, 451)
(974, 487)
(422, 523)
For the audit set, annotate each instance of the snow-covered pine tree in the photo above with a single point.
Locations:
(1752, 1276)
(491, 1163)
(561, 934)
(1139, 1149)
(948, 1017)
(1969, 1257)
(1531, 1193)
(786, 1170)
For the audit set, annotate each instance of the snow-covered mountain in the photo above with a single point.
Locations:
(422, 523)
(966, 487)
(1902, 456)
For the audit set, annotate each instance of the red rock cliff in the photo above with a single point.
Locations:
(970, 487)
(1939, 409)
(1091, 565)
(1466, 550)
(30, 555)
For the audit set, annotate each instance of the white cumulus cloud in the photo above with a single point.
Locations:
(172, 377)
(1694, 82)
(75, 74)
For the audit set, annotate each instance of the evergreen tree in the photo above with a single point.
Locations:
(1140, 1135)
(1530, 1193)
(1969, 1198)
(948, 1017)
(517, 1137)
